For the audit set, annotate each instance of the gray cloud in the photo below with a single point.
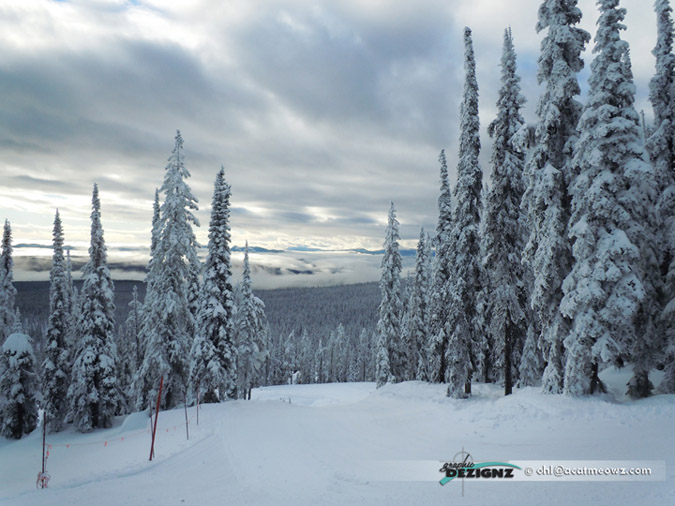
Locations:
(321, 113)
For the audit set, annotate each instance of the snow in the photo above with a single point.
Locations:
(17, 344)
(330, 444)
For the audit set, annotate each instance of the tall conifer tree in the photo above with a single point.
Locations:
(464, 331)
(168, 342)
(251, 334)
(418, 312)
(503, 229)
(547, 175)
(609, 293)
(390, 359)
(213, 356)
(442, 269)
(56, 364)
(661, 147)
(7, 291)
(94, 391)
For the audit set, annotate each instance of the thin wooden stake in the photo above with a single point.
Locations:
(187, 431)
(154, 430)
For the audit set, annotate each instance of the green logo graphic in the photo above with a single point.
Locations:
(463, 466)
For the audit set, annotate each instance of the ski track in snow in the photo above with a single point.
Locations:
(325, 446)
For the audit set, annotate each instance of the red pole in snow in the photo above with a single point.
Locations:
(154, 430)
(44, 438)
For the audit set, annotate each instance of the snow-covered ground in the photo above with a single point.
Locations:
(339, 444)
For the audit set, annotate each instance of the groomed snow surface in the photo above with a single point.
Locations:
(321, 445)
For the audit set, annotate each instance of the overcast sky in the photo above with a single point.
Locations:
(321, 112)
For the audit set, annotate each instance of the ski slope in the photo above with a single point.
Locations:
(341, 444)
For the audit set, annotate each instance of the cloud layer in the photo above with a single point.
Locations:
(321, 113)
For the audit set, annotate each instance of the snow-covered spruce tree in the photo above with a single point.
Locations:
(503, 228)
(364, 356)
(608, 294)
(251, 334)
(128, 355)
(213, 356)
(484, 351)
(340, 348)
(442, 268)
(56, 363)
(406, 338)
(94, 395)
(661, 141)
(320, 363)
(661, 147)
(168, 320)
(73, 309)
(132, 328)
(147, 325)
(382, 368)
(7, 290)
(418, 312)
(70, 287)
(392, 366)
(547, 175)
(353, 361)
(306, 358)
(641, 198)
(18, 387)
(289, 358)
(464, 331)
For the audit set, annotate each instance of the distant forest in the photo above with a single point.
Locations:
(318, 310)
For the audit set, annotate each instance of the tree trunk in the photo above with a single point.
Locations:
(596, 384)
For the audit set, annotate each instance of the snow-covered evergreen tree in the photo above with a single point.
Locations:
(352, 361)
(306, 358)
(382, 367)
(132, 328)
(147, 325)
(547, 175)
(485, 354)
(503, 233)
(94, 395)
(7, 290)
(128, 350)
(661, 147)
(391, 368)
(340, 354)
(168, 312)
(661, 142)
(364, 357)
(56, 363)
(463, 329)
(418, 312)
(609, 292)
(442, 269)
(73, 309)
(69, 283)
(251, 334)
(18, 387)
(290, 358)
(320, 363)
(213, 356)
